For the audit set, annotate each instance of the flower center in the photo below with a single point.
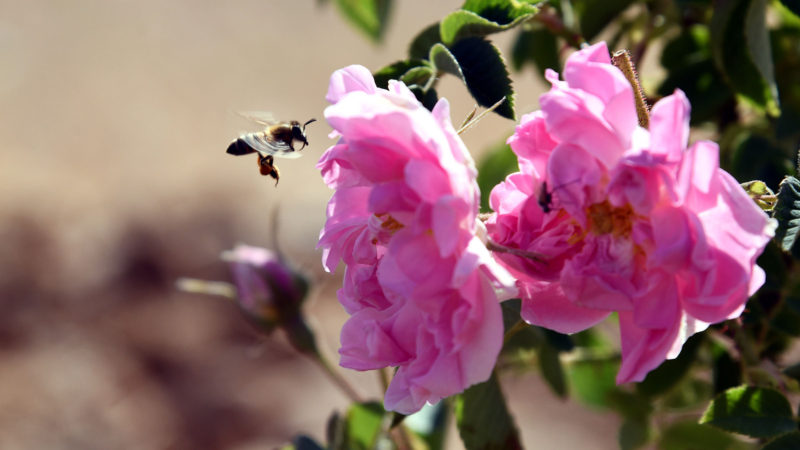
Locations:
(607, 219)
(389, 223)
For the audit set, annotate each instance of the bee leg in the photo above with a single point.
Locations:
(275, 174)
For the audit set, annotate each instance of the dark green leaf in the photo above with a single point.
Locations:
(740, 40)
(444, 61)
(787, 318)
(787, 212)
(790, 441)
(633, 434)
(752, 411)
(671, 372)
(552, 369)
(484, 17)
(395, 71)
(690, 435)
(537, 46)
(495, 166)
(793, 371)
(369, 16)
(417, 75)
(690, 68)
(726, 372)
(427, 98)
(483, 419)
(364, 424)
(690, 394)
(421, 45)
(336, 432)
(304, 442)
(594, 15)
(485, 73)
(630, 405)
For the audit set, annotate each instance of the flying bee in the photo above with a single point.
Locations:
(277, 140)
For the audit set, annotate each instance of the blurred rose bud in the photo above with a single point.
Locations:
(269, 292)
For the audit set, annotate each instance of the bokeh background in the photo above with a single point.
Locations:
(114, 119)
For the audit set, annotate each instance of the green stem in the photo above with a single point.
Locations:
(335, 376)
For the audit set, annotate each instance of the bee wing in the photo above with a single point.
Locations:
(260, 117)
(264, 144)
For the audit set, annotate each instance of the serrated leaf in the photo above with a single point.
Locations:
(493, 168)
(790, 441)
(740, 40)
(368, 16)
(417, 75)
(444, 61)
(483, 419)
(691, 435)
(752, 411)
(421, 44)
(484, 17)
(787, 212)
(538, 47)
(485, 74)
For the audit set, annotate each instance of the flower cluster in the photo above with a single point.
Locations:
(628, 220)
(419, 285)
(604, 216)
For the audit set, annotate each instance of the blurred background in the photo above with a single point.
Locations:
(115, 182)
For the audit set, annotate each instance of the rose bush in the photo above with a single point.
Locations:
(419, 285)
(625, 219)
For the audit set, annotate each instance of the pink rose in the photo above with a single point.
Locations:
(637, 222)
(419, 285)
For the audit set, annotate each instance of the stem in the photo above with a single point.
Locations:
(383, 375)
(335, 376)
(516, 328)
(548, 17)
(495, 247)
(196, 286)
(745, 346)
(622, 59)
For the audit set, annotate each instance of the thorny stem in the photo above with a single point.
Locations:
(622, 59)
(495, 247)
(335, 376)
(550, 19)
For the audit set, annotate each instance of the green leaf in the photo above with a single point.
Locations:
(740, 40)
(395, 71)
(793, 6)
(690, 67)
(594, 15)
(593, 381)
(689, 435)
(671, 372)
(538, 47)
(485, 74)
(369, 16)
(484, 17)
(787, 212)
(752, 411)
(790, 441)
(483, 419)
(552, 369)
(417, 75)
(690, 394)
(364, 425)
(495, 166)
(633, 434)
(303, 442)
(421, 45)
(444, 61)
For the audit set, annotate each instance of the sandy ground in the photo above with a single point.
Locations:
(115, 117)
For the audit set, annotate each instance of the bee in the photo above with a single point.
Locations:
(545, 198)
(277, 140)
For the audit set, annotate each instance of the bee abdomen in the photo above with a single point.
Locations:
(239, 147)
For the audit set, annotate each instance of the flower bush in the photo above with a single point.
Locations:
(419, 284)
(618, 218)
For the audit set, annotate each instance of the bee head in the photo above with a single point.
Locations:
(299, 133)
